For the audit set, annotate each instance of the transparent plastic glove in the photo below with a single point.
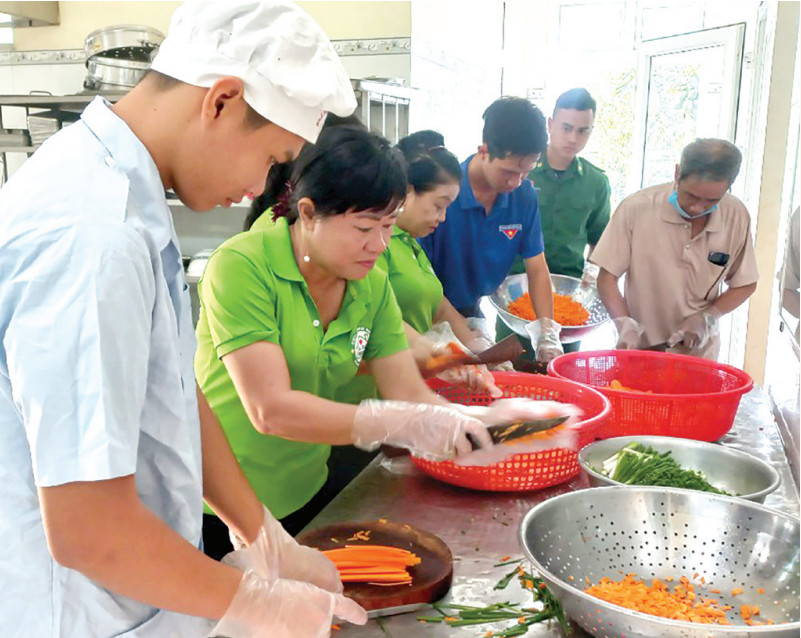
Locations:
(480, 343)
(696, 330)
(589, 277)
(434, 432)
(629, 333)
(423, 350)
(474, 378)
(544, 334)
(284, 609)
(275, 554)
(506, 411)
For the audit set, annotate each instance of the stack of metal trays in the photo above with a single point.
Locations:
(117, 57)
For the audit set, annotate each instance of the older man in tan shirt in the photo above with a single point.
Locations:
(677, 244)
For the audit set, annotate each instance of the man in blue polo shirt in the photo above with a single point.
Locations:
(495, 218)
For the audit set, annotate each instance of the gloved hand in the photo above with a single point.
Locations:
(513, 410)
(474, 378)
(423, 350)
(482, 342)
(283, 609)
(434, 432)
(275, 554)
(590, 275)
(544, 334)
(696, 330)
(629, 333)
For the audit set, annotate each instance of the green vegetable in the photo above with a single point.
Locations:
(637, 464)
(464, 615)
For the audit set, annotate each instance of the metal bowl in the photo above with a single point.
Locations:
(515, 285)
(666, 533)
(125, 41)
(730, 470)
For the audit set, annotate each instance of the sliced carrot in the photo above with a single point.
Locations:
(374, 564)
(736, 591)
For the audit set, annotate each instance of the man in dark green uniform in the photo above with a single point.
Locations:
(573, 194)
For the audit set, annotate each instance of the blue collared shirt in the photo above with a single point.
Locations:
(96, 379)
(472, 251)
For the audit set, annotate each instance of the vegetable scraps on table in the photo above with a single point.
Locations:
(566, 311)
(373, 564)
(524, 616)
(637, 464)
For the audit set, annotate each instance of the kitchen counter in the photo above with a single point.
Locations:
(482, 527)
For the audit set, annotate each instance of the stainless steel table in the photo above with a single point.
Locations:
(481, 527)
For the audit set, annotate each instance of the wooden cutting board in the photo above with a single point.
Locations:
(431, 578)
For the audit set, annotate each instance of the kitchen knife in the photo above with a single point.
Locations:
(506, 349)
(511, 431)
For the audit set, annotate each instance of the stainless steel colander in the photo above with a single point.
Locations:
(666, 533)
(515, 285)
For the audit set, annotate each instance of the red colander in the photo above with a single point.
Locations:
(690, 397)
(523, 472)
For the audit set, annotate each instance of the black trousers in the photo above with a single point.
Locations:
(344, 464)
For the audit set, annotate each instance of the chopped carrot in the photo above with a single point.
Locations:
(565, 311)
(680, 603)
(760, 591)
(570, 578)
(488, 634)
(505, 558)
(522, 620)
(736, 591)
(335, 628)
(714, 591)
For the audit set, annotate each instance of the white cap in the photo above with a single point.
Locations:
(292, 75)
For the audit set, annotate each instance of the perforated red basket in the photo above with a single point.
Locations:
(523, 472)
(691, 397)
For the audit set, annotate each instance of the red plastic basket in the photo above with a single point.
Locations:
(692, 398)
(523, 472)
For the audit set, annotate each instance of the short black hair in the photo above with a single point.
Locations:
(710, 160)
(279, 174)
(578, 99)
(348, 168)
(428, 162)
(514, 126)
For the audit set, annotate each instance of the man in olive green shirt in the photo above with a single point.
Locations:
(572, 193)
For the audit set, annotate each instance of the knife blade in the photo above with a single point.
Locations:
(506, 349)
(510, 431)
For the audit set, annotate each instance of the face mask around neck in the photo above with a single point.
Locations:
(674, 201)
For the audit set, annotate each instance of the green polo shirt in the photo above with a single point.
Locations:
(416, 287)
(253, 291)
(574, 209)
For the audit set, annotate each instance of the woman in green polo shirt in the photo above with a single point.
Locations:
(289, 313)
(433, 177)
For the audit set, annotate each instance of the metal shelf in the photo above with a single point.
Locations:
(17, 149)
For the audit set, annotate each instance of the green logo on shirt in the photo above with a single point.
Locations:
(359, 343)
